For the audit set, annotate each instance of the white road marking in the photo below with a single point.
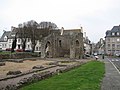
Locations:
(114, 66)
(112, 60)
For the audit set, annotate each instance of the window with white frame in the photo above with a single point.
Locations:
(36, 48)
(118, 46)
(108, 45)
(5, 38)
(9, 46)
(10, 40)
(18, 40)
(28, 40)
(118, 33)
(113, 39)
(28, 46)
(113, 45)
(113, 34)
(5, 45)
(108, 39)
(118, 39)
(2, 45)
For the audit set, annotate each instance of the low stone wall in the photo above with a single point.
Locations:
(14, 72)
(41, 75)
(4, 56)
(18, 55)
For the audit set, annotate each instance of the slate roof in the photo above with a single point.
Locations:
(115, 29)
(6, 33)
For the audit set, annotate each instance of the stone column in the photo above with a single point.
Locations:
(72, 50)
(42, 50)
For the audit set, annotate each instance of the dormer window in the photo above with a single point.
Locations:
(113, 34)
(5, 38)
(13, 35)
(118, 33)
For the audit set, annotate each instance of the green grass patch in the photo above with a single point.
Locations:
(5, 52)
(85, 77)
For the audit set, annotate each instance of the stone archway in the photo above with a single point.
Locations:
(48, 49)
(77, 49)
(77, 43)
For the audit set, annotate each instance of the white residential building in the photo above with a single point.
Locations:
(8, 37)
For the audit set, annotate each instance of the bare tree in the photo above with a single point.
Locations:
(46, 25)
(14, 44)
(22, 30)
(34, 31)
(28, 30)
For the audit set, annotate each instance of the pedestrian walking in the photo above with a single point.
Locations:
(103, 56)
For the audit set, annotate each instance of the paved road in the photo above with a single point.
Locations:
(115, 61)
(111, 80)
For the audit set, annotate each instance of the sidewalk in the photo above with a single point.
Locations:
(111, 81)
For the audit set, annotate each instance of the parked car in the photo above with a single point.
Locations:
(8, 49)
(87, 55)
(96, 57)
(19, 50)
(117, 54)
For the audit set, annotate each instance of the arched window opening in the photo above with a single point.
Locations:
(60, 44)
(77, 43)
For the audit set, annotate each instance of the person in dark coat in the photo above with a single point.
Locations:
(103, 56)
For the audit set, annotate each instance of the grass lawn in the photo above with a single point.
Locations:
(85, 77)
(5, 52)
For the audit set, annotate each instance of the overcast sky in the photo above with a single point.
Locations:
(95, 16)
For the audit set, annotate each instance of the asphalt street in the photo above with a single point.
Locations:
(115, 62)
(111, 81)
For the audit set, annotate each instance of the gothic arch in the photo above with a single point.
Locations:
(48, 49)
(77, 49)
(77, 43)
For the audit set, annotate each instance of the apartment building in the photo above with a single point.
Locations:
(112, 41)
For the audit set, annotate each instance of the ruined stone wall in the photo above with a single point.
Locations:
(63, 45)
(76, 47)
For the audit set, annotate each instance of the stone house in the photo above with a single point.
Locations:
(87, 46)
(4, 40)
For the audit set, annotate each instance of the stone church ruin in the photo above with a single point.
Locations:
(63, 43)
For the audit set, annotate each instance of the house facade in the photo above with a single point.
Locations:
(112, 41)
(87, 46)
(8, 37)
